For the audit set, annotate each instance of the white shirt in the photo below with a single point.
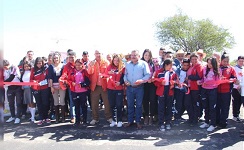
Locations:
(12, 70)
(182, 77)
(166, 76)
(239, 71)
(26, 76)
(242, 85)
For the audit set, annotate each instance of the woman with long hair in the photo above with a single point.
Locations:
(211, 76)
(224, 91)
(27, 94)
(39, 74)
(115, 87)
(149, 98)
(54, 73)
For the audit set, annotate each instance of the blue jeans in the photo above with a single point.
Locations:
(115, 99)
(134, 93)
(71, 105)
(42, 102)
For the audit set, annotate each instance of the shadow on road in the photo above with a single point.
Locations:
(183, 133)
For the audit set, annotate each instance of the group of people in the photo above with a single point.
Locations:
(158, 88)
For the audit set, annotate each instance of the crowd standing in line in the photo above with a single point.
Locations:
(158, 89)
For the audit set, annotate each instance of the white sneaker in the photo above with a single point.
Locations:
(17, 121)
(112, 124)
(10, 120)
(93, 122)
(119, 124)
(204, 125)
(211, 128)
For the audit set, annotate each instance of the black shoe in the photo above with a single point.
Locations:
(128, 124)
(222, 126)
(84, 122)
(76, 124)
(176, 122)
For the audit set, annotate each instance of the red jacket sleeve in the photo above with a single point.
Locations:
(233, 73)
(200, 71)
(108, 69)
(156, 82)
(32, 75)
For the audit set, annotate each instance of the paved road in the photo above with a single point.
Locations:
(64, 136)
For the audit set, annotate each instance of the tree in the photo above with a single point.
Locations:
(233, 62)
(182, 32)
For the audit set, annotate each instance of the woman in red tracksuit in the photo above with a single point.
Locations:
(224, 91)
(115, 87)
(194, 74)
(79, 82)
(164, 80)
(39, 74)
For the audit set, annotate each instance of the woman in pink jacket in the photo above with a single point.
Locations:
(211, 76)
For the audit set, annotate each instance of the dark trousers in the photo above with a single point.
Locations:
(67, 101)
(179, 103)
(24, 109)
(189, 107)
(222, 108)
(209, 101)
(115, 98)
(42, 101)
(165, 104)
(196, 103)
(236, 102)
(15, 94)
(2, 97)
(51, 101)
(149, 99)
(80, 101)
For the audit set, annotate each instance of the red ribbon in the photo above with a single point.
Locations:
(220, 82)
(21, 83)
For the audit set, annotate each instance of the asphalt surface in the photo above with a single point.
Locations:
(65, 136)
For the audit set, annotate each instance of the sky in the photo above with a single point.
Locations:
(112, 26)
